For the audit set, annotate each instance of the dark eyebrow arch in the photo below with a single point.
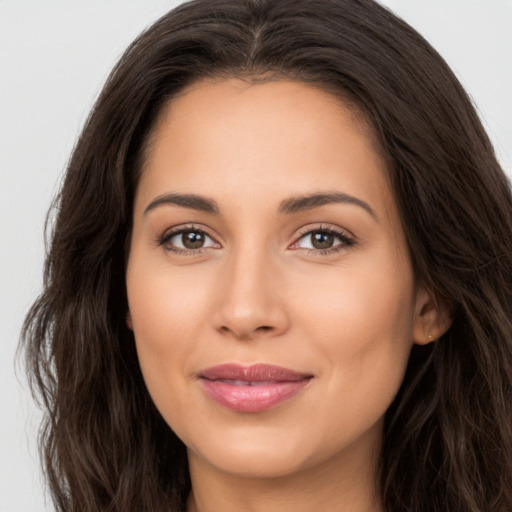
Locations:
(287, 207)
(193, 201)
(308, 202)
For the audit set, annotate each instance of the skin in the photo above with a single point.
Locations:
(258, 291)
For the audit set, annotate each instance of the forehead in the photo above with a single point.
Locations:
(250, 103)
(230, 137)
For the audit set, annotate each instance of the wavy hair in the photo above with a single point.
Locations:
(448, 434)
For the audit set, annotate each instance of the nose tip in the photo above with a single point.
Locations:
(249, 305)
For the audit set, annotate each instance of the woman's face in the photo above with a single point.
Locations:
(265, 235)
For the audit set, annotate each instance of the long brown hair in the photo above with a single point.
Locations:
(448, 434)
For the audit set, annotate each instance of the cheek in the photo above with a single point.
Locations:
(362, 322)
(165, 307)
(365, 302)
(165, 301)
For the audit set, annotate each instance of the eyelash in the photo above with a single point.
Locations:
(166, 237)
(347, 241)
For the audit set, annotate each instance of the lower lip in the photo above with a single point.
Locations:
(252, 398)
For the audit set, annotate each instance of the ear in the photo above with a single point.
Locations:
(129, 322)
(433, 317)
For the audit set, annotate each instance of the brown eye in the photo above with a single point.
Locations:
(192, 239)
(322, 240)
(187, 240)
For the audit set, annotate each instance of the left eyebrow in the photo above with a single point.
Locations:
(308, 202)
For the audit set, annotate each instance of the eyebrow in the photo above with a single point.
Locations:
(193, 201)
(286, 207)
(308, 202)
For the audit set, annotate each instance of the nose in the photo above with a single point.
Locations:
(251, 302)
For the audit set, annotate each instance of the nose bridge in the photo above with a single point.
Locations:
(250, 301)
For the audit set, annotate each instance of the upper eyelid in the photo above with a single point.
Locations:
(187, 227)
(305, 230)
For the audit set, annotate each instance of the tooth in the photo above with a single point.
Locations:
(239, 382)
(235, 382)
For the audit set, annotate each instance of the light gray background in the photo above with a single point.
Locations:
(54, 57)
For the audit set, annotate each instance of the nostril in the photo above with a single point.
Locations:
(243, 334)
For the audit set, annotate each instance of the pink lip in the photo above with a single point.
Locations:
(253, 388)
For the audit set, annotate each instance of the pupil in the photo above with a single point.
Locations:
(322, 240)
(192, 239)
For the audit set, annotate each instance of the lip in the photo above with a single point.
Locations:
(254, 388)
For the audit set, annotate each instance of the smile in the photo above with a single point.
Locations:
(252, 389)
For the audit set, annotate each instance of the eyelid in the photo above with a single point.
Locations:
(169, 233)
(347, 238)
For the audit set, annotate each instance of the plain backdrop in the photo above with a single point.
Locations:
(54, 57)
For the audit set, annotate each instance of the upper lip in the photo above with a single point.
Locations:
(254, 373)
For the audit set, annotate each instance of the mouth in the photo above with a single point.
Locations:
(253, 388)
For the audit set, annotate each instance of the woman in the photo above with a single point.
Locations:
(278, 275)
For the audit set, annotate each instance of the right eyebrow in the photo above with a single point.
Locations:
(193, 201)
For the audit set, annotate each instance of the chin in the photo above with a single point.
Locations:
(256, 460)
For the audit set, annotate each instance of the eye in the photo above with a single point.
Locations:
(186, 240)
(318, 240)
(323, 240)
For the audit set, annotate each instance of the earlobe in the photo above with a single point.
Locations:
(433, 318)
(129, 320)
